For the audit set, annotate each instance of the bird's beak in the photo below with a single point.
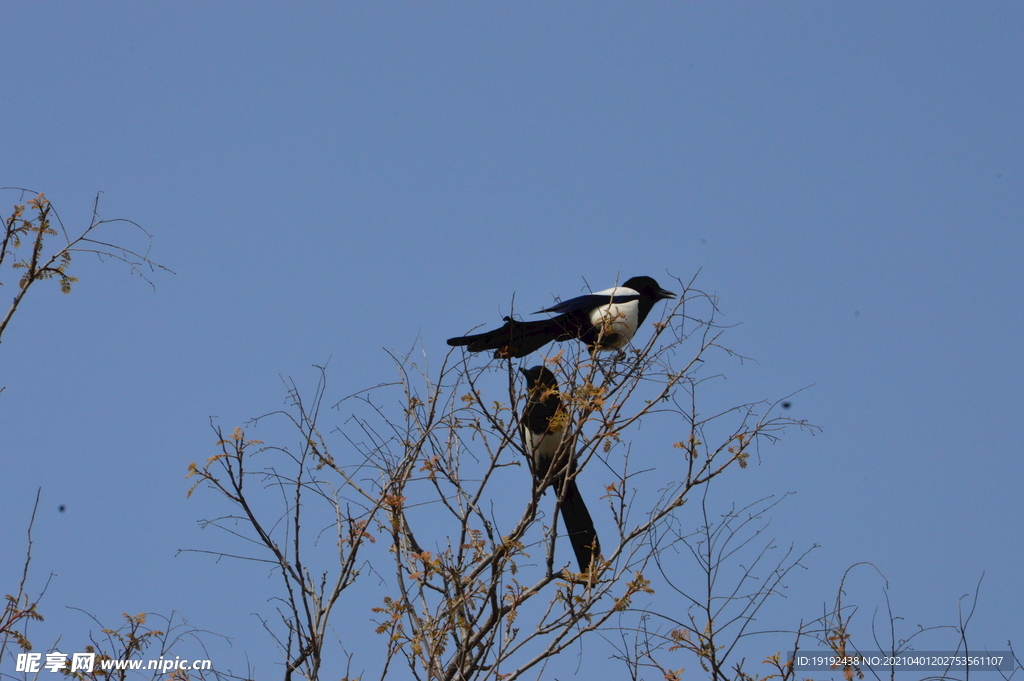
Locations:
(663, 294)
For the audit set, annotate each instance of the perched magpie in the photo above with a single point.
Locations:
(605, 320)
(553, 457)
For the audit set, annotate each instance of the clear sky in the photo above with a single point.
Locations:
(328, 180)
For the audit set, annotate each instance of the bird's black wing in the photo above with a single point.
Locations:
(589, 302)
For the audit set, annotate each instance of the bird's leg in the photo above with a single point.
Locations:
(607, 370)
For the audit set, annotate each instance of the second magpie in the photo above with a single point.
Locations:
(554, 460)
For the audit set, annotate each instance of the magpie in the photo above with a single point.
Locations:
(554, 460)
(605, 320)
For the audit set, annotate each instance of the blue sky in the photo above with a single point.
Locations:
(329, 180)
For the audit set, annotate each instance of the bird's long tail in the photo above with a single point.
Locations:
(514, 339)
(579, 526)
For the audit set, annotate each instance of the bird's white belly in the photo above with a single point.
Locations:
(619, 321)
(543, 446)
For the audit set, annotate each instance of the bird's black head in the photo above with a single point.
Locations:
(539, 375)
(648, 288)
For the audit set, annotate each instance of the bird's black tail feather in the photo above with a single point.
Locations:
(514, 339)
(579, 526)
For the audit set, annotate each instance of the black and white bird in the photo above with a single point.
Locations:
(605, 320)
(545, 429)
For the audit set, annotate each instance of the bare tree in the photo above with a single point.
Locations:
(723, 604)
(21, 607)
(27, 244)
(478, 585)
(28, 231)
(308, 596)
